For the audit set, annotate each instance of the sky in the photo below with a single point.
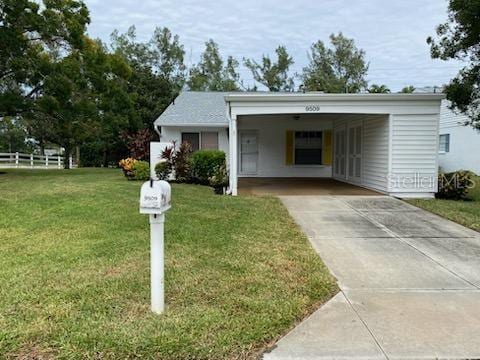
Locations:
(392, 32)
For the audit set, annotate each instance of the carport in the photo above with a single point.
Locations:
(387, 143)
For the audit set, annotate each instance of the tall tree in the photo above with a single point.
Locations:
(274, 75)
(158, 71)
(27, 29)
(168, 57)
(213, 73)
(83, 97)
(459, 38)
(378, 89)
(339, 69)
(408, 89)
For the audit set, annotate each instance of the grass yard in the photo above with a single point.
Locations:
(74, 271)
(465, 212)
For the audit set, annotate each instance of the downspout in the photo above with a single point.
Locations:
(229, 189)
(158, 131)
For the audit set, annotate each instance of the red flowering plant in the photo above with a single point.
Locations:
(138, 143)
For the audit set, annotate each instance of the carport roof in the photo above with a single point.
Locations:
(207, 108)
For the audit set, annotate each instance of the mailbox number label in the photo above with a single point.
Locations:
(312, 108)
(151, 201)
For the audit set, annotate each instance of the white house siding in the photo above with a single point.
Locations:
(174, 133)
(414, 148)
(375, 153)
(464, 142)
(271, 131)
(375, 148)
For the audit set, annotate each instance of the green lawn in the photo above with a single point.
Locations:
(465, 212)
(74, 271)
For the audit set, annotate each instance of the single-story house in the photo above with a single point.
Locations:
(459, 146)
(385, 142)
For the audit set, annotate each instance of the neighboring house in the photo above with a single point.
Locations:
(384, 142)
(459, 145)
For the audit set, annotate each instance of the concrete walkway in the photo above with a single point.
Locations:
(409, 282)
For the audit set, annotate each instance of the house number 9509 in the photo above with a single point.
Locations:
(312, 108)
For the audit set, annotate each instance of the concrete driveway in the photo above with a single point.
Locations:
(409, 282)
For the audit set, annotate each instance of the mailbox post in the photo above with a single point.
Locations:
(155, 200)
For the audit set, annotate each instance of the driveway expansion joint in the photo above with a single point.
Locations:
(365, 324)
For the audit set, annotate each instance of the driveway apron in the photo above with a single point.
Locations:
(409, 282)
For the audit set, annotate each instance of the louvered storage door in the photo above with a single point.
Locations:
(339, 152)
(355, 152)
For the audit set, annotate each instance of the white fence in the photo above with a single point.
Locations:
(31, 161)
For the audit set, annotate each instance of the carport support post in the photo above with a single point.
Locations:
(157, 293)
(233, 155)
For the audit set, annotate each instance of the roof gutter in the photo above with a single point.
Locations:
(272, 97)
(220, 125)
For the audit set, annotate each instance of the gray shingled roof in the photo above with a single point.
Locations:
(195, 107)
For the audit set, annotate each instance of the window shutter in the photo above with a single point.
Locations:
(289, 147)
(327, 147)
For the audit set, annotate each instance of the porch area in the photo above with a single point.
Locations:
(298, 186)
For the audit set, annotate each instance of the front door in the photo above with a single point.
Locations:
(354, 153)
(248, 153)
(340, 161)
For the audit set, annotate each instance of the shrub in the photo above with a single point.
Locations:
(205, 163)
(182, 163)
(127, 167)
(138, 143)
(219, 180)
(454, 185)
(163, 170)
(141, 170)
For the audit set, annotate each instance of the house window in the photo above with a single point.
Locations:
(444, 143)
(203, 140)
(210, 140)
(193, 139)
(308, 148)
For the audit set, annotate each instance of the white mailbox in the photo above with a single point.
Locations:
(155, 197)
(155, 200)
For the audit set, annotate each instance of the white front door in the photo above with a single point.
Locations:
(248, 152)
(340, 161)
(354, 172)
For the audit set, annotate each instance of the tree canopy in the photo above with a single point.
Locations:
(459, 38)
(83, 97)
(158, 71)
(213, 73)
(408, 89)
(378, 89)
(273, 74)
(28, 29)
(341, 68)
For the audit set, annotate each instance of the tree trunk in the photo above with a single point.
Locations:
(66, 158)
(77, 155)
(105, 158)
